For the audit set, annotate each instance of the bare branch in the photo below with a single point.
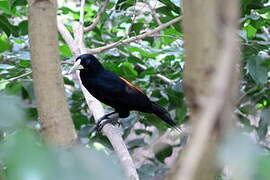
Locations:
(82, 12)
(154, 13)
(67, 37)
(17, 77)
(134, 38)
(97, 19)
(113, 135)
(78, 37)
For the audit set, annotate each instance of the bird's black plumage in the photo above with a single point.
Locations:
(117, 92)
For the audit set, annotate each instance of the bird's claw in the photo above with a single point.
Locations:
(101, 123)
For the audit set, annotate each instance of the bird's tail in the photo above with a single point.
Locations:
(165, 116)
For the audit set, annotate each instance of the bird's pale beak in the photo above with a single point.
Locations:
(77, 65)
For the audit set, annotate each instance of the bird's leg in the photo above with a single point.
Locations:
(106, 116)
(112, 121)
(106, 119)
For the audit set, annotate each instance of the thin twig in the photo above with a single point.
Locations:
(17, 77)
(164, 36)
(154, 13)
(134, 38)
(99, 15)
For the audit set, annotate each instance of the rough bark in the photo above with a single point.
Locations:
(54, 116)
(210, 82)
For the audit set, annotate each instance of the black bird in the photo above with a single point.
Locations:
(115, 91)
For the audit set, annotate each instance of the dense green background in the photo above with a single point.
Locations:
(161, 55)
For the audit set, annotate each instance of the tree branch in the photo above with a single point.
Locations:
(95, 106)
(154, 13)
(213, 105)
(17, 77)
(134, 38)
(97, 19)
(67, 37)
(82, 12)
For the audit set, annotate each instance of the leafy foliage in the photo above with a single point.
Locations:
(162, 54)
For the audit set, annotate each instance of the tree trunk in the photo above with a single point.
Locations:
(54, 115)
(210, 83)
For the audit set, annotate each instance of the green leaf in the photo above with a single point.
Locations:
(143, 131)
(128, 67)
(31, 160)
(19, 3)
(164, 10)
(257, 71)
(136, 27)
(23, 27)
(162, 151)
(68, 82)
(7, 27)
(250, 30)
(65, 51)
(24, 63)
(263, 124)
(5, 45)
(5, 7)
(147, 171)
(12, 113)
(124, 4)
(11, 2)
(79, 120)
(14, 88)
(170, 5)
(135, 143)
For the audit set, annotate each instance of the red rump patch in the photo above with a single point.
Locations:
(130, 84)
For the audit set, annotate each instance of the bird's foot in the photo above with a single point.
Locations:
(102, 122)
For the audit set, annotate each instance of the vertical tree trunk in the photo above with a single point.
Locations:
(54, 116)
(210, 82)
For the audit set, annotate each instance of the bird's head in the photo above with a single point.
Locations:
(86, 61)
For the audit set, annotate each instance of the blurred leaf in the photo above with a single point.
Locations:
(151, 171)
(162, 151)
(5, 44)
(251, 31)
(12, 113)
(256, 70)
(263, 124)
(170, 5)
(262, 172)
(128, 67)
(124, 4)
(7, 27)
(5, 7)
(23, 27)
(143, 131)
(24, 63)
(68, 81)
(6, 66)
(65, 51)
(79, 120)
(31, 161)
(14, 88)
(136, 27)
(136, 143)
